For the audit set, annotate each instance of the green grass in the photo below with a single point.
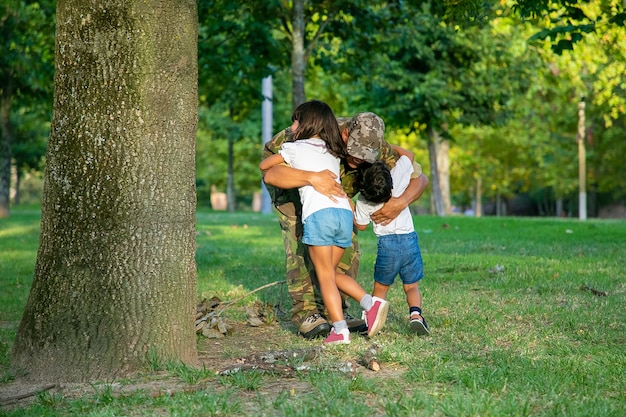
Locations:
(513, 333)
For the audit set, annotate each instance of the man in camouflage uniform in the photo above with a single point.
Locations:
(364, 135)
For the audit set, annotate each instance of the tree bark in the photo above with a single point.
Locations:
(115, 278)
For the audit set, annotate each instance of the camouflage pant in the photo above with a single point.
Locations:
(301, 279)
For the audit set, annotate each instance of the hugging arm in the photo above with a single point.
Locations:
(395, 205)
(284, 176)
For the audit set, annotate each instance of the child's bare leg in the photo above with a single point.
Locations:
(413, 295)
(380, 290)
(323, 260)
(346, 283)
(350, 287)
(414, 300)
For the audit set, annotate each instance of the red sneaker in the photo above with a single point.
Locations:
(376, 316)
(341, 338)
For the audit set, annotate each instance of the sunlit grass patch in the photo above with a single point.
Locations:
(515, 326)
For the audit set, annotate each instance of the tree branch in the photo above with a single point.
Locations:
(223, 307)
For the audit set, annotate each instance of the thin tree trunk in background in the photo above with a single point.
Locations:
(230, 180)
(559, 207)
(6, 140)
(478, 209)
(443, 167)
(435, 177)
(18, 182)
(115, 278)
(298, 62)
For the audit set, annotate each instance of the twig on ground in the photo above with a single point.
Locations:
(15, 398)
(594, 291)
(266, 362)
(270, 368)
(369, 359)
(220, 309)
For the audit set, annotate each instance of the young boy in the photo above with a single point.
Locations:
(398, 247)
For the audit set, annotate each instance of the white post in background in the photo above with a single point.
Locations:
(266, 112)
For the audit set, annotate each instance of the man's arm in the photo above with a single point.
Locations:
(284, 176)
(392, 208)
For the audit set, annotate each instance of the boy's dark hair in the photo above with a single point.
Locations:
(374, 182)
(316, 118)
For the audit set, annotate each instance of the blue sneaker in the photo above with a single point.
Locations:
(418, 325)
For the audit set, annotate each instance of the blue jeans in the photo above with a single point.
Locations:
(398, 255)
(329, 227)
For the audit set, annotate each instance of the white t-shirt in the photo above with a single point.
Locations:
(403, 224)
(312, 155)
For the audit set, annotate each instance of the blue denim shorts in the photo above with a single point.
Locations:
(398, 255)
(329, 227)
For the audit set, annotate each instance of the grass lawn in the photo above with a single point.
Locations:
(527, 318)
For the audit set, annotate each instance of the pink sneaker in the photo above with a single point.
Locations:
(341, 338)
(376, 316)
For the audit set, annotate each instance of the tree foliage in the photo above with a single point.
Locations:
(567, 22)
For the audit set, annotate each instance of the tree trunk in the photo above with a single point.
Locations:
(440, 183)
(5, 147)
(115, 278)
(298, 62)
(478, 204)
(230, 181)
(559, 207)
(18, 183)
(443, 167)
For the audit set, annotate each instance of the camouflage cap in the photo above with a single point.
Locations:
(366, 132)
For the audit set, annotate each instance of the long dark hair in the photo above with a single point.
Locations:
(374, 182)
(316, 118)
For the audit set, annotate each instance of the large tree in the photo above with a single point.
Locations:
(115, 276)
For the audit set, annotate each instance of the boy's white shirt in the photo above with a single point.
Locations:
(403, 224)
(312, 155)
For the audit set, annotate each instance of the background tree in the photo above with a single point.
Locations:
(237, 49)
(589, 66)
(239, 40)
(30, 140)
(241, 43)
(566, 22)
(426, 73)
(26, 45)
(115, 275)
